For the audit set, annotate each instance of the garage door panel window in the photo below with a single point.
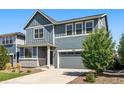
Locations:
(70, 54)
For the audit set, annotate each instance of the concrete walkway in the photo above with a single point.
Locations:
(54, 76)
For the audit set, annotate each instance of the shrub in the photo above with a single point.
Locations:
(8, 66)
(121, 50)
(29, 71)
(13, 70)
(18, 66)
(90, 77)
(20, 71)
(4, 57)
(97, 51)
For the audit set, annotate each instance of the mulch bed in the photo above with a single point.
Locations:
(103, 79)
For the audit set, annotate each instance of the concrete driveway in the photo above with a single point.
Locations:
(54, 76)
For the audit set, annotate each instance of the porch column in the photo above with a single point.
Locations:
(58, 59)
(48, 56)
(37, 57)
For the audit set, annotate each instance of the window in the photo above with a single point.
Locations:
(89, 26)
(79, 28)
(11, 40)
(69, 29)
(38, 33)
(3, 40)
(28, 52)
(34, 52)
(7, 40)
(21, 53)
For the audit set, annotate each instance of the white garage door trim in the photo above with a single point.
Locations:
(59, 51)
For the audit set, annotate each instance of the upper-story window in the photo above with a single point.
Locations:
(69, 29)
(89, 26)
(38, 33)
(11, 40)
(78, 28)
(3, 40)
(7, 40)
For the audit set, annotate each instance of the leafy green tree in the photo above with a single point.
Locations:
(4, 57)
(121, 49)
(97, 51)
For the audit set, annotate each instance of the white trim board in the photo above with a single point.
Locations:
(72, 36)
(39, 26)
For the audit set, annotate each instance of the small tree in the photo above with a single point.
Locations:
(97, 51)
(121, 49)
(4, 57)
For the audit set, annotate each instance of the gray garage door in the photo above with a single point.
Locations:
(71, 60)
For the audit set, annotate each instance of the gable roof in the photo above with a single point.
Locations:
(43, 14)
(65, 21)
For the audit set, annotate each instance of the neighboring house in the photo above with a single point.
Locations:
(57, 43)
(11, 42)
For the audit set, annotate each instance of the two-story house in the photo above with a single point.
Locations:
(11, 42)
(57, 43)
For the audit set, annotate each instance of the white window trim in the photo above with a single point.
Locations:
(38, 33)
(92, 25)
(66, 29)
(75, 27)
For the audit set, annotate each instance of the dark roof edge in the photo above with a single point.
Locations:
(14, 33)
(65, 21)
(81, 18)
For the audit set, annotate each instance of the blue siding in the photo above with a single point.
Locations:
(38, 20)
(70, 42)
(48, 36)
(11, 48)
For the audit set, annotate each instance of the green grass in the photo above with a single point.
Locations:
(10, 75)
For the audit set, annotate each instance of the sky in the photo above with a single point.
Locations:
(15, 20)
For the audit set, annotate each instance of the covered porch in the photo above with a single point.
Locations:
(36, 55)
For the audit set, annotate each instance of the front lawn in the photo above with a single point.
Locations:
(10, 75)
